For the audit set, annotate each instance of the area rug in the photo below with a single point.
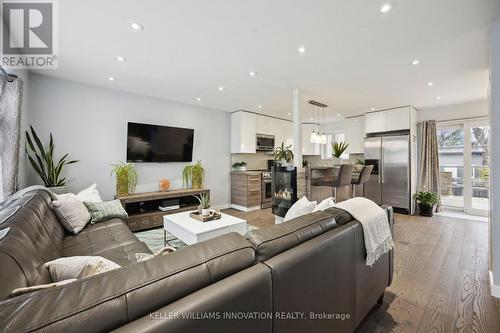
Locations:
(154, 238)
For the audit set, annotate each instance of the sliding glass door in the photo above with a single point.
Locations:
(464, 166)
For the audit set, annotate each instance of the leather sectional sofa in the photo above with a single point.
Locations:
(305, 275)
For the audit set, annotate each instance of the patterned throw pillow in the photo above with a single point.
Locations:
(106, 210)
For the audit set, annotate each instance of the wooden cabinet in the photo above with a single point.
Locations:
(246, 190)
(243, 129)
(309, 148)
(355, 134)
(390, 120)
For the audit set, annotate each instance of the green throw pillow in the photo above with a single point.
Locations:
(106, 210)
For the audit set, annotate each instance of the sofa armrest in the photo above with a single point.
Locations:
(390, 216)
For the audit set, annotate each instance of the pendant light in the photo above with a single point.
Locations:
(323, 136)
(313, 137)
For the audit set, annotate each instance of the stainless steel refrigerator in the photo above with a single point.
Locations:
(389, 182)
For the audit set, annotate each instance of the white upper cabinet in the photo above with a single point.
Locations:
(389, 120)
(243, 130)
(397, 119)
(355, 134)
(375, 122)
(309, 148)
(283, 132)
(265, 125)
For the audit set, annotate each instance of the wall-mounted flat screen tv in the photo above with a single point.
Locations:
(152, 143)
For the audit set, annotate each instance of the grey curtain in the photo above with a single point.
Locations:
(11, 95)
(428, 179)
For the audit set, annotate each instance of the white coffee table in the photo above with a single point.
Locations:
(191, 231)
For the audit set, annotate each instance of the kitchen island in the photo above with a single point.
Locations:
(328, 173)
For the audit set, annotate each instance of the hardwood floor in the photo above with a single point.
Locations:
(440, 277)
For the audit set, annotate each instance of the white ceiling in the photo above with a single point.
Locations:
(356, 59)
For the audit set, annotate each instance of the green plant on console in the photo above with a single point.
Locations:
(194, 173)
(426, 198)
(43, 161)
(204, 200)
(283, 153)
(126, 178)
(338, 148)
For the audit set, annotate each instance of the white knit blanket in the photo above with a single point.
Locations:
(376, 229)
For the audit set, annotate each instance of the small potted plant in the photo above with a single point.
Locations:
(240, 166)
(282, 153)
(126, 178)
(204, 200)
(194, 173)
(44, 163)
(426, 201)
(338, 148)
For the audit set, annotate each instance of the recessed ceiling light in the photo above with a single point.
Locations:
(252, 73)
(198, 99)
(136, 26)
(386, 7)
(301, 49)
(221, 88)
(338, 115)
(430, 84)
(260, 106)
(312, 119)
(437, 97)
(111, 78)
(120, 59)
(373, 109)
(289, 114)
(415, 62)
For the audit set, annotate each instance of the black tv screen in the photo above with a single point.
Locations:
(151, 143)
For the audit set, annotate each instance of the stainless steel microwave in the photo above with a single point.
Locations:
(265, 142)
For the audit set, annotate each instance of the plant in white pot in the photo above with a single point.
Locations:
(204, 200)
(282, 153)
(338, 148)
(44, 163)
(240, 166)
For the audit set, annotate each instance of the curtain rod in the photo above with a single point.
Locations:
(462, 119)
(7, 75)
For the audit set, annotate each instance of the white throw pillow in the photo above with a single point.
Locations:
(72, 213)
(90, 194)
(325, 204)
(301, 207)
(78, 267)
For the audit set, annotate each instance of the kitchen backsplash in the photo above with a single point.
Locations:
(257, 161)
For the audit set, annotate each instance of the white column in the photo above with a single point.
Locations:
(494, 102)
(297, 129)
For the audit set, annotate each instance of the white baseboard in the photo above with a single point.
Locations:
(494, 289)
(219, 207)
(245, 209)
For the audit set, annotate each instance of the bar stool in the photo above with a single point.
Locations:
(363, 177)
(344, 178)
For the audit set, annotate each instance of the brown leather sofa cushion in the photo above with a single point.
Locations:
(272, 240)
(111, 239)
(110, 300)
(341, 216)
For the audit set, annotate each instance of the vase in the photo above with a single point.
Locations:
(58, 189)
(336, 161)
(426, 210)
(196, 181)
(122, 187)
(205, 211)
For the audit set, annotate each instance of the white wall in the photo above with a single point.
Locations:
(454, 111)
(91, 124)
(494, 101)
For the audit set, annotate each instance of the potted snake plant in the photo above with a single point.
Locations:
(205, 202)
(44, 163)
(338, 148)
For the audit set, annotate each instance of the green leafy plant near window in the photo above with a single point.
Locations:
(426, 198)
(338, 148)
(194, 173)
(283, 153)
(126, 178)
(43, 162)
